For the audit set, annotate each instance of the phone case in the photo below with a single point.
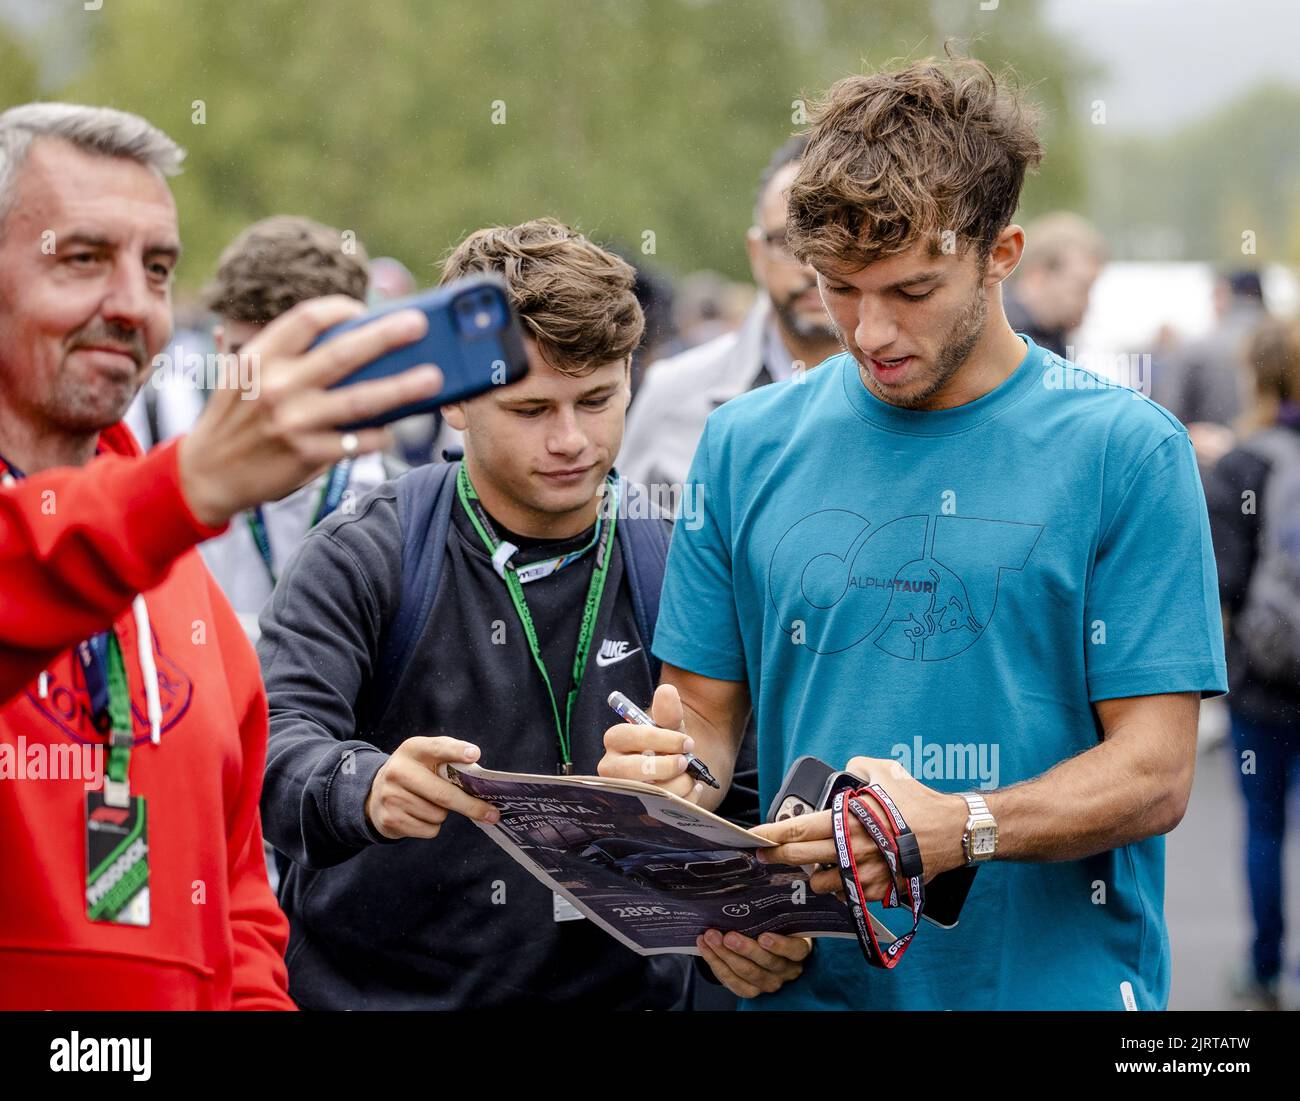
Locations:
(475, 338)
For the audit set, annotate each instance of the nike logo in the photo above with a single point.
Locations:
(611, 653)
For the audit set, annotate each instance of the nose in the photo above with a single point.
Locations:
(567, 437)
(876, 329)
(128, 300)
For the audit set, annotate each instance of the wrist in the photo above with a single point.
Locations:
(952, 853)
(940, 834)
(201, 495)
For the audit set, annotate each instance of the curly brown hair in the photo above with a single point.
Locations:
(574, 298)
(278, 262)
(903, 155)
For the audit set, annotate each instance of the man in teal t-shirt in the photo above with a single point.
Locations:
(952, 551)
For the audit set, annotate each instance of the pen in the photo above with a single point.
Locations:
(633, 714)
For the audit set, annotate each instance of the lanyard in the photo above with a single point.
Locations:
(501, 553)
(330, 495)
(117, 788)
(100, 657)
(898, 845)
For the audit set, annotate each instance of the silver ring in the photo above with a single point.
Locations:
(350, 444)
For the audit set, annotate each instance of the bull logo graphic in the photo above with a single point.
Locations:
(922, 588)
(927, 618)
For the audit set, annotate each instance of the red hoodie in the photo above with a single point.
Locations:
(75, 547)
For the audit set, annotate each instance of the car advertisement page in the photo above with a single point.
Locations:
(652, 870)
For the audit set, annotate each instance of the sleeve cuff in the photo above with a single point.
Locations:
(163, 527)
(1208, 678)
(347, 792)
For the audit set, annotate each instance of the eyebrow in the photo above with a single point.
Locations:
(94, 240)
(913, 280)
(585, 395)
(910, 281)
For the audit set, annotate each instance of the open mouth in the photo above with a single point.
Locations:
(890, 370)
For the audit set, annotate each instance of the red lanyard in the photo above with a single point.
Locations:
(886, 827)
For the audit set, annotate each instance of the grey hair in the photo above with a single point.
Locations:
(102, 130)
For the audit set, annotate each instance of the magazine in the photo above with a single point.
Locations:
(653, 870)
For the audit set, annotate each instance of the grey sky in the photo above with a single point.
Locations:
(1168, 61)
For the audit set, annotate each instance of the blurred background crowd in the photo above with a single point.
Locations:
(1163, 231)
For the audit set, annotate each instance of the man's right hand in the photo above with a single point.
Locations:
(653, 754)
(247, 449)
(409, 799)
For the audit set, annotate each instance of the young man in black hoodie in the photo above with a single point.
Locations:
(394, 902)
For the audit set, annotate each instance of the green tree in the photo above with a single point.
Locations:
(644, 122)
(1193, 194)
(19, 76)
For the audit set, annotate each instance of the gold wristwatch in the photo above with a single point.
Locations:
(980, 841)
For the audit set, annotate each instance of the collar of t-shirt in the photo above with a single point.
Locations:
(531, 548)
(1029, 374)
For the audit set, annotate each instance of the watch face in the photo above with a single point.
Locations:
(983, 840)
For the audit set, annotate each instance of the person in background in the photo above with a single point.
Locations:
(390, 280)
(1047, 297)
(786, 329)
(169, 403)
(267, 270)
(420, 439)
(1205, 384)
(1253, 494)
(657, 298)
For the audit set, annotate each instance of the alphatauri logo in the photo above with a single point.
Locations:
(920, 588)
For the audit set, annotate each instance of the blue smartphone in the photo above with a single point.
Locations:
(475, 338)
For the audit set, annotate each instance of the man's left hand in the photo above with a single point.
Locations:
(938, 821)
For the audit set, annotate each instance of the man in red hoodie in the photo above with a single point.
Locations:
(131, 764)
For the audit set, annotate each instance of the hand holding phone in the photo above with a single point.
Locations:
(474, 336)
(811, 785)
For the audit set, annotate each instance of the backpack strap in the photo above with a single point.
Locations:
(644, 536)
(425, 497)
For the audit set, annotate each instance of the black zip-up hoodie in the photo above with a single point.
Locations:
(452, 922)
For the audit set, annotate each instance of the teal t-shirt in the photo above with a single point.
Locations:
(953, 589)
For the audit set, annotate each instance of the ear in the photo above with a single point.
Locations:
(454, 415)
(1004, 256)
(219, 338)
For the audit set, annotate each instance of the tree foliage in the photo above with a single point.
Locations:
(644, 122)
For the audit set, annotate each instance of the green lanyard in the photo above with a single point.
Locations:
(116, 787)
(604, 552)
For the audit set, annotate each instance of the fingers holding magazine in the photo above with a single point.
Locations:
(749, 967)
